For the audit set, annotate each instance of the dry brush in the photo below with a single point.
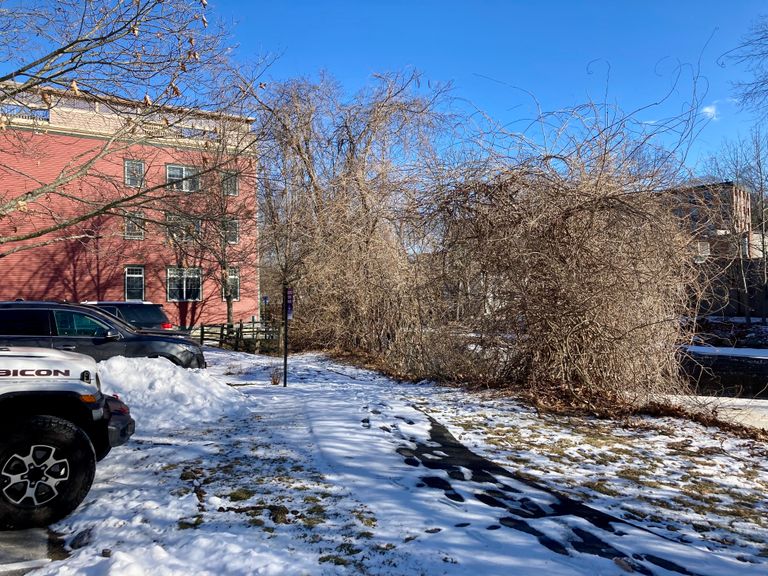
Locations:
(563, 270)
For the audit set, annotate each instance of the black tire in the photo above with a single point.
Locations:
(46, 469)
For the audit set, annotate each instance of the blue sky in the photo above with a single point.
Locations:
(498, 53)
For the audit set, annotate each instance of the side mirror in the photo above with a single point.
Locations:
(112, 334)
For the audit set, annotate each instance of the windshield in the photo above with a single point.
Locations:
(112, 319)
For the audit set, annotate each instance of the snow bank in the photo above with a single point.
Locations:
(164, 396)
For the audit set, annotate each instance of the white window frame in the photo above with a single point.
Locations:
(189, 180)
(230, 184)
(173, 272)
(134, 271)
(179, 227)
(132, 227)
(129, 174)
(232, 230)
(233, 275)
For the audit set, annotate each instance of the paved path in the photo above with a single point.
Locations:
(747, 411)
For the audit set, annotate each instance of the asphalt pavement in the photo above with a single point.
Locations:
(746, 411)
(23, 550)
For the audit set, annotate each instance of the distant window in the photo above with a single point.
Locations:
(184, 285)
(184, 178)
(182, 228)
(134, 173)
(702, 252)
(134, 226)
(134, 282)
(233, 231)
(745, 252)
(229, 184)
(233, 279)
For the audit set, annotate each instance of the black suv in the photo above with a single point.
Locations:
(142, 315)
(90, 331)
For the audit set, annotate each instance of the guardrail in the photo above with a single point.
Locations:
(240, 335)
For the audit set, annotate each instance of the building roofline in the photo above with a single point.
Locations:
(45, 92)
(715, 184)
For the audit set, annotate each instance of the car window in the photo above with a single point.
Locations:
(111, 309)
(110, 319)
(69, 323)
(144, 314)
(24, 322)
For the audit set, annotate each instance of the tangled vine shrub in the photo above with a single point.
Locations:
(571, 276)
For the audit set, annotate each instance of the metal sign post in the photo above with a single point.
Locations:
(287, 315)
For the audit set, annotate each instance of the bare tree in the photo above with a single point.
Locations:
(561, 266)
(745, 162)
(147, 71)
(752, 53)
(336, 176)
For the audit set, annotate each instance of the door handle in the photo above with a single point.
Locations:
(66, 347)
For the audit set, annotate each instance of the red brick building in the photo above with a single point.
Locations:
(181, 230)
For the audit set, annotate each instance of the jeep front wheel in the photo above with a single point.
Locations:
(47, 466)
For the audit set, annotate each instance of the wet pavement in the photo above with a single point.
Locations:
(24, 550)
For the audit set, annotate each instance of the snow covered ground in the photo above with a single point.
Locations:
(348, 472)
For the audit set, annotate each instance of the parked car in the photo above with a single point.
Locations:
(141, 314)
(55, 424)
(88, 330)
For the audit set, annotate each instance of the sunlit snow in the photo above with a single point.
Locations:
(345, 472)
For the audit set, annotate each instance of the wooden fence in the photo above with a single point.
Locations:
(240, 335)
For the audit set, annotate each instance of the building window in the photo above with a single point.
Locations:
(232, 231)
(233, 279)
(181, 228)
(134, 173)
(134, 226)
(184, 285)
(702, 252)
(134, 282)
(745, 251)
(184, 178)
(229, 184)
